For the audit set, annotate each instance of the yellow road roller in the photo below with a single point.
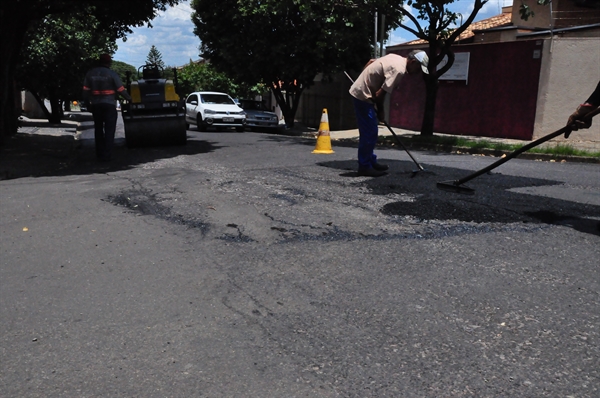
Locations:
(155, 116)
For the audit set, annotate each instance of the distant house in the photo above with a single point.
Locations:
(519, 79)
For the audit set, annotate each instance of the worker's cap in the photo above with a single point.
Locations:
(422, 57)
(105, 59)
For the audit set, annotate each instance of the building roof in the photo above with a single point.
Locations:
(558, 30)
(496, 21)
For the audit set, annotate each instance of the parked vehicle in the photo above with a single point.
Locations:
(212, 109)
(258, 117)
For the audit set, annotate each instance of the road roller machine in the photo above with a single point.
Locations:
(155, 116)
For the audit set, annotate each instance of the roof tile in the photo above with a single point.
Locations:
(496, 21)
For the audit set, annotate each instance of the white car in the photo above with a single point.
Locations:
(211, 109)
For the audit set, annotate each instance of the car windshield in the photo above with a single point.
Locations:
(216, 99)
(252, 105)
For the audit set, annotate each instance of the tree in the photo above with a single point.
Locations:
(286, 43)
(122, 68)
(56, 55)
(204, 77)
(155, 57)
(440, 39)
(18, 17)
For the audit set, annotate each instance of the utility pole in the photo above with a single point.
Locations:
(382, 30)
(375, 38)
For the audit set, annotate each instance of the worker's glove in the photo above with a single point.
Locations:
(575, 120)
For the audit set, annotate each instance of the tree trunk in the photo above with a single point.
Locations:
(431, 88)
(13, 27)
(56, 115)
(288, 103)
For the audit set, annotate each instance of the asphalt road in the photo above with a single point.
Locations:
(243, 265)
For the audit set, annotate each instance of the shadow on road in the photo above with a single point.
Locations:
(33, 155)
(491, 203)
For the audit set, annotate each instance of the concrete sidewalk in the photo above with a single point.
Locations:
(590, 146)
(79, 125)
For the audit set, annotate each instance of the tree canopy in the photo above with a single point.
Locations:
(122, 68)
(204, 77)
(286, 43)
(18, 17)
(56, 55)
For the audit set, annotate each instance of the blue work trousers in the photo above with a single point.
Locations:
(366, 118)
(105, 124)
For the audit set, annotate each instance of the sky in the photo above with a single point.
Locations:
(173, 34)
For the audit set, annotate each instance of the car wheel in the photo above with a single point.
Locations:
(200, 123)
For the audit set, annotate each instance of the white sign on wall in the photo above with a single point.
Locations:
(459, 69)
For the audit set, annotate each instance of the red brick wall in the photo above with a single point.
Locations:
(498, 101)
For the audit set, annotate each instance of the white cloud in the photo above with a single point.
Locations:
(137, 40)
(399, 36)
(172, 34)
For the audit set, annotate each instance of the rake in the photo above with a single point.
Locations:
(456, 185)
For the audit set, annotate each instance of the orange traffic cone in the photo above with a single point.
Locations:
(323, 139)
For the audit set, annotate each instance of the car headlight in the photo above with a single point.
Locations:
(209, 112)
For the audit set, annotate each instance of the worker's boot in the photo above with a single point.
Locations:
(380, 167)
(370, 172)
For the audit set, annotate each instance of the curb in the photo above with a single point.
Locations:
(475, 151)
(500, 153)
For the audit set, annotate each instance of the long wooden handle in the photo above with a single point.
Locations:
(566, 129)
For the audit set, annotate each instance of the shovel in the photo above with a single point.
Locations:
(456, 185)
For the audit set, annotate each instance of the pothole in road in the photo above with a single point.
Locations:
(430, 230)
(145, 203)
(435, 209)
(236, 238)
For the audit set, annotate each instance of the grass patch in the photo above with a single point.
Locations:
(564, 150)
(558, 149)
